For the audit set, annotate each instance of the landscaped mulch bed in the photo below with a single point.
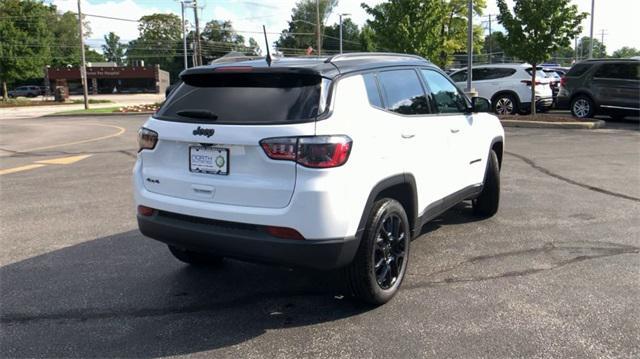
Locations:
(542, 118)
(139, 108)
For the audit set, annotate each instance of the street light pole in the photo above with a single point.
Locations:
(318, 35)
(591, 36)
(83, 65)
(341, 15)
(198, 49)
(184, 35)
(469, 45)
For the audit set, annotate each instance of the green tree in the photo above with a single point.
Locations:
(25, 39)
(538, 28)
(302, 27)
(564, 55)
(159, 42)
(492, 46)
(599, 49)
(626, 52)
(255, 48)
(219, 38)
(435, 29)
(350, 37)
(113, 50)
(367, 39)
(65, 50)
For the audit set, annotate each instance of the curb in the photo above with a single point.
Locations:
(587, 125)
(99, 114)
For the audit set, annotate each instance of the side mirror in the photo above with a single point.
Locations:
(480, 104)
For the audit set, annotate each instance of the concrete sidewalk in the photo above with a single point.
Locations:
(117, 100)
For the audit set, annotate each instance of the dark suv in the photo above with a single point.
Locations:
(609, 87)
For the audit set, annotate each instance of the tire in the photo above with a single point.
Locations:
(195, 258)
(381, 261)
(487, 203)
(583, 107)
(505, 105)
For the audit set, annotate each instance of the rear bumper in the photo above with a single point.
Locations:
(246, 242)
(544, 102)
(563, 102)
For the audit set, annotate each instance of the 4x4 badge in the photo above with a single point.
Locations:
(203, 131)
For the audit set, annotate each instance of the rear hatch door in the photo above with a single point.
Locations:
(209, 131)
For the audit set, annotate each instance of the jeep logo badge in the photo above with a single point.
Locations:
(203, 131)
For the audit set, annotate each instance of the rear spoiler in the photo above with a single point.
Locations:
(247, 76)
(238, 68)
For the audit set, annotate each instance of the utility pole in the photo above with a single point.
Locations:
(490, 42)
(318, 35)
(184, 37)
(341, 15)
(469, 44)
(602, 35)
(575, 49)
(83, 65)
(593, 3)
(198, 49)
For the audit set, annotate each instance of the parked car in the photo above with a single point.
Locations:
(610, 86)
(508, 86)
(330, 163)
(560, 70)
(25, 91)
(554, 81)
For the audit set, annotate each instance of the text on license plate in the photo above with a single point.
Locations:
(211, 160)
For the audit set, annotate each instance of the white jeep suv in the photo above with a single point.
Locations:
(325, 163)
(508, 86)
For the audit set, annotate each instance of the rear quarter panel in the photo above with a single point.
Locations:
(376, 153)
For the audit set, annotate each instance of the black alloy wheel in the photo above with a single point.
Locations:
(389, 251)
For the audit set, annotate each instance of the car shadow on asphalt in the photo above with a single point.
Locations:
(459, 214)
(126, 296)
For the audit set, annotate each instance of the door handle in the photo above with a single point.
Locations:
(408, 136)
(455, 130)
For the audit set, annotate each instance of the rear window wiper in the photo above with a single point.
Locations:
(204, 114)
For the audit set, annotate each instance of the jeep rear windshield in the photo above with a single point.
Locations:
(246, 98)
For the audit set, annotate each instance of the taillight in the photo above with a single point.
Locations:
(563, 81)
(283, 148)
(314, 152)
(528, 82)
(147, 139)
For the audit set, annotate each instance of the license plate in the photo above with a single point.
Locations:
(210, 160)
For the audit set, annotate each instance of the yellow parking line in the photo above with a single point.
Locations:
(64, 160)
(19, 169)
(38, 164)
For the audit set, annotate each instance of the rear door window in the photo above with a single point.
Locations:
(539, 73)
(498, 73)
(623, 71)
(446, 95)
(246, 98)
(578, 70)
(459, 76)
(403, 92)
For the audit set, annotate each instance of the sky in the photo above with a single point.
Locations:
(619, 18)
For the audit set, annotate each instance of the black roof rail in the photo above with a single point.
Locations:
(610, 59)
(372, 54)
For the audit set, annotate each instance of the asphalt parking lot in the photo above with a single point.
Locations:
(555, 274)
